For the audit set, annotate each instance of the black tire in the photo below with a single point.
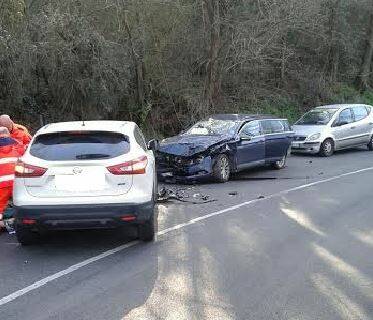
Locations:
(147, 230)
(327, 148)
(370, 144)
(25, 236)
(221, 170)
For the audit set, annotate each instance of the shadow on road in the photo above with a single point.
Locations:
(336, 154)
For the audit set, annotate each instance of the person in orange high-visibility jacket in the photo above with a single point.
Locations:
(10, 150)
(17, 132)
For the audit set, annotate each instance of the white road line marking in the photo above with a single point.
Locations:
(62, 273)
(11, 297)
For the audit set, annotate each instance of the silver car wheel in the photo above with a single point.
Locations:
(328, 147)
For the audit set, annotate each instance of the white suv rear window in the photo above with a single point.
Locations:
(82, 145)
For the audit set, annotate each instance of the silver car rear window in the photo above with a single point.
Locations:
(80, 145)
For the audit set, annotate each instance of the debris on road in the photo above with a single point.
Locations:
(261, 197)
(166, 195)
(233, 193)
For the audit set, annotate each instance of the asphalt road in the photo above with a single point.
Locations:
(290, 244)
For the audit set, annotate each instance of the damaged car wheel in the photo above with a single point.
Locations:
(280, 164)
(222, 168)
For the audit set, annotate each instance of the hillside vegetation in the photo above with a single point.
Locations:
(167, 63)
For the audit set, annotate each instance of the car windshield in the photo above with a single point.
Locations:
(89, 145)
(214, 127)
(317, 117)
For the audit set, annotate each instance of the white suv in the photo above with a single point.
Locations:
(85, 175)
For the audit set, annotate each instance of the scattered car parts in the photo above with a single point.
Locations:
(167, 194)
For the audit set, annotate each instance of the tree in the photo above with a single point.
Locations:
(365, 69)
(212, 23)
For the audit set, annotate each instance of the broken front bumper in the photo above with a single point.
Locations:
(184, 170)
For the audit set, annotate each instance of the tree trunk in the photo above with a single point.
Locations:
(213, 78)
(333, 59)
(138, 66)
(363, 78)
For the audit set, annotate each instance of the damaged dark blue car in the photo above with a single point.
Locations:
(223, 144)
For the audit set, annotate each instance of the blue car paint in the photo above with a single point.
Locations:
(242, 153)
(249, 152)
(201, 171)
(188, 145)
(276, 145)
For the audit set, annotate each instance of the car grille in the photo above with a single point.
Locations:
(299, 138)
(174, 161)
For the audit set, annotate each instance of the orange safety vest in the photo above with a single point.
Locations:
(21, 134)
(10, 151)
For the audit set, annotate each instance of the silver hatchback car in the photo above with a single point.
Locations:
(326, 129)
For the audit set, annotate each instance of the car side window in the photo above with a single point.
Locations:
(346, 116)
(251, 129)
(266, 126)
(140, 138)
(277, 126)
(360, 113)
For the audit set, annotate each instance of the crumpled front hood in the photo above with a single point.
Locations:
(188, 145)
(304, 130)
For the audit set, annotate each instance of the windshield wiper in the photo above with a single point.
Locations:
(92, 156)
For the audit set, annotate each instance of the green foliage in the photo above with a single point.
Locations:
(11, 14)
(367, 97)
(149, 60)
(344, 93)
(280, 107)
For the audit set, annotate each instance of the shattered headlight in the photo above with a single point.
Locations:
(189, 161)
(181, 161)
(199, 160)
(314, 137)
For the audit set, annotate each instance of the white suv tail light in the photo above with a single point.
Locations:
(23, 170)
(136, 166)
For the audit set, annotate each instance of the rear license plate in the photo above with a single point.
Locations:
(81, 182)
(295, 145)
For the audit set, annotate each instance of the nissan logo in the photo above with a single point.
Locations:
(77, 170)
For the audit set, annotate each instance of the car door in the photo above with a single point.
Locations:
(277, 139)
(362, 124)
(344, 129)
(251, 146)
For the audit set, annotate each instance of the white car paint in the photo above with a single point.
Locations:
(87, 181)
